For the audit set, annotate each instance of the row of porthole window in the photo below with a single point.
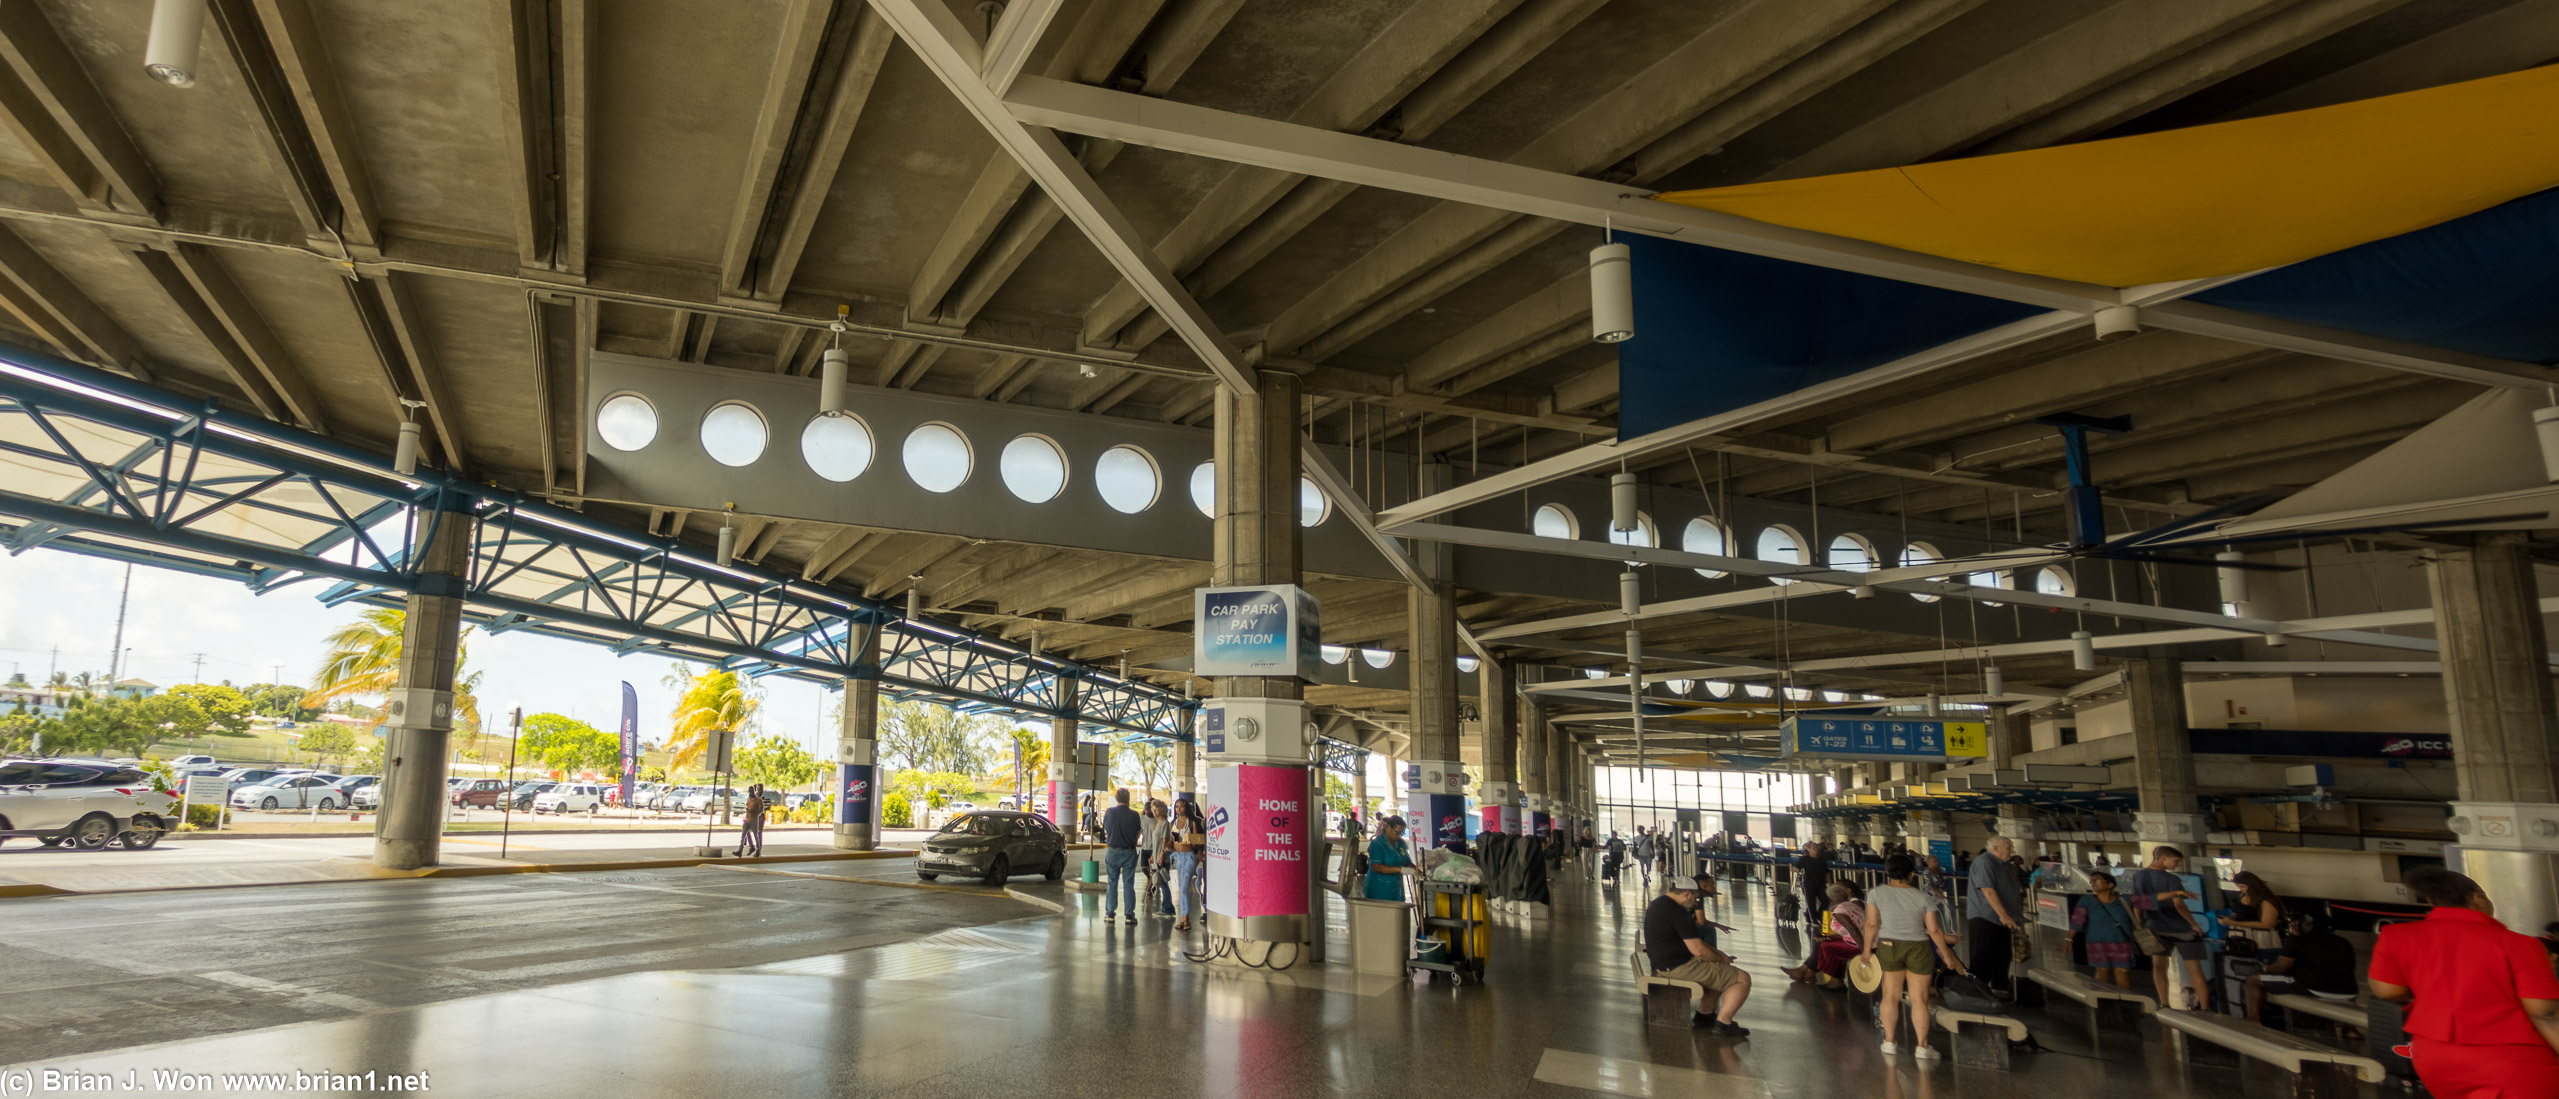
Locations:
(1782, 544)
(937, 456)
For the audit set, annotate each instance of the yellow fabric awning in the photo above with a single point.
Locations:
(2212, 200)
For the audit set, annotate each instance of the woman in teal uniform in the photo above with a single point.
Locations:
(1387, 858)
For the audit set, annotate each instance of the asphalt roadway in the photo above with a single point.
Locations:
(87, 973)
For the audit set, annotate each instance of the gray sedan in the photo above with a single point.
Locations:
(994, 846)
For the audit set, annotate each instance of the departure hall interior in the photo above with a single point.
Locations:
(1763, 501)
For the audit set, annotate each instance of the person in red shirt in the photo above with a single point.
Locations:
(2484, 1021)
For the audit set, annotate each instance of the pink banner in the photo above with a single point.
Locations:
(1061, 806)
(1498, 818)
(1256, 841)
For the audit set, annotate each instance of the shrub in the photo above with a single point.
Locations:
(896, 812)
(203, 816)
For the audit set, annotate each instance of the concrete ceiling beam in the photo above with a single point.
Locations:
(1103, 602)
(988, 577)
(894, 571)
(545, 68)
(807, 175)
(389, 317)
(52, 307)
(257, 343)
(1056, 590)
(2098, 372)
(237, 363)
(2491, 41)
(295, 50)
(57, 113)
(1396, 61)
(788, 91)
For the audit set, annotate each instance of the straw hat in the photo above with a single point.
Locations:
(1866, 972)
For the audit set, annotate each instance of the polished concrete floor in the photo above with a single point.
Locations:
(680, 983)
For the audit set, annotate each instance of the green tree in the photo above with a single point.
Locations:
(328, 740)
(1148, 762)
(897, 812)
(18, 733)
(282, 700)
(563, 743)
(933, 788)
(705, 703)
(779, 763)
(363, 661)
(1337, 794)
(18, 680)
(929, 737)
(226, 709)
(108, 725)
(1030, 758)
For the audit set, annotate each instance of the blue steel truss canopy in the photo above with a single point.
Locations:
(98, 464)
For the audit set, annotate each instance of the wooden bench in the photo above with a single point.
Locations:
(1981, 1041)
(2109, 1007)
(2319, 1072)
(1667, 1001)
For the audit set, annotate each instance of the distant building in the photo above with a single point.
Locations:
(40, 701)
(133, 688)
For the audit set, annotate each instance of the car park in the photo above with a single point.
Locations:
(994, 846)
(480, 793)
(576, 797)
(238, 777)
(312, 791)
(707, 800)
(347, 786)
(368, 797)
(84, 803)
(188, 763)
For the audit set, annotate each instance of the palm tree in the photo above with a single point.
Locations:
(363, 661)
(705, 702)
(1030, 753)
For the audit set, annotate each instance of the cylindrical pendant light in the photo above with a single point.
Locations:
(2545, 426)
(728, 543)
(177, 30)
(1612, 293)
(2118, 322)
(2083, 651)
(404, 457)
(831, 371)
(1621, 502)
(1630, 592)
(1993, 682)
(2234, 583)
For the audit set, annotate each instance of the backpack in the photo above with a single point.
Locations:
(1965, 992)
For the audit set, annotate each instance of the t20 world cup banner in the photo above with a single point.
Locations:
(1256, 819)
(856, 800)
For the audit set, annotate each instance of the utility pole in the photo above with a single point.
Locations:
(115, 656)
(199, 668)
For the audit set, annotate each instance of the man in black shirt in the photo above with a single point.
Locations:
(1812, 881)
(1682, 949)
(2320, 961)
(1121, 827)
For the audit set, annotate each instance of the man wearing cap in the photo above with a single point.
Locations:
(1682, 949)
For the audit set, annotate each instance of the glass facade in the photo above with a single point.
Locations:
(1652, 798)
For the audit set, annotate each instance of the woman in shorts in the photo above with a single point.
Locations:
(2105, 926)
(1903, 935)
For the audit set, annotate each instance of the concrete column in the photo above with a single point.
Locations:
(409, 829)
(2012, 735)
(857, 750)
(1061, 757)
(1439, 807)
(2017, 822)
(1498, 798)
(2163, 757)
(1186, 768)
(1255, 539)
(2505, 727)
(1534, 733)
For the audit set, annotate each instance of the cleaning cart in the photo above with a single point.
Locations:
(1456, 934)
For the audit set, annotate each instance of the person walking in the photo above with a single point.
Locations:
(1644, 852)
(750, 831)
(2161, 896)
(1122, 829)
(2105, 925)
(1812, 881)
(1189, 838)
(2483, 1008)
(1154, 856)
(1903, 936)
(1614, 860)
(1994, 900)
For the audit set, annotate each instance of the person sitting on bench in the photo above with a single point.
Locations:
(1680, 948)
(1828, 966)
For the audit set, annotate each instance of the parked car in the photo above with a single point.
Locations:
(673, 799)
(189, 763)
(238, 777)
(290, 792)
(707, 800)
(366, 797)
(994, 845)
(577, 797)
(480, 793)
(522, 796)
(85, 803)
(349, 785)
(794, 801)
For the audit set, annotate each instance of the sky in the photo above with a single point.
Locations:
(58, 610)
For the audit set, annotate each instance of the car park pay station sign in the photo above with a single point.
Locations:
(1877, 738)
(1268, 629)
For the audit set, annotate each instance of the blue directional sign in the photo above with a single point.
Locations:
(1879, 738)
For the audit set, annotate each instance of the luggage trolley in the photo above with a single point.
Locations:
(1455, 918)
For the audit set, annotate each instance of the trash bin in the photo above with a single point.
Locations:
(1381, 934)
(1092, 871)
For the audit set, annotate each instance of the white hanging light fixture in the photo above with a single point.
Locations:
(1622, 512)
(404, 454)
(1612, 293)
(833, 368)
(1993, 682)
(2234, 583)
(2118, 322)
(1630, 593)
(728, 537)
(2083, 651)
(177, 31)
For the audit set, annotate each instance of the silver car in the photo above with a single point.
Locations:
(86, 803)
(307, 791)
(994, 846)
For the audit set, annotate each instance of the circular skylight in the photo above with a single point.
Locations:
(1204, 489)
(733, 434)
(1704, 535)
(1127, 479)
(938, 457)
(626, 421)
(1313, 507)
(1553, 521)
(1033, 467)
(837, 448)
